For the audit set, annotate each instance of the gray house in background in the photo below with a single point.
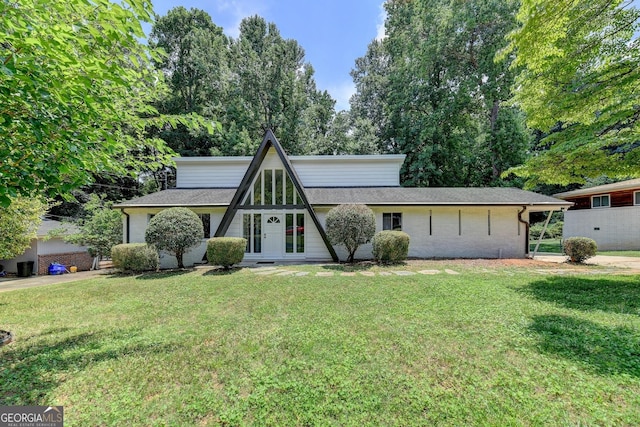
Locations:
(279, 204)
(44, 250)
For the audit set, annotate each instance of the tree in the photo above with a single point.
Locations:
(435, 93)
(579, 80)
(100, 230)
(18, 225)
(175, 230)
(76, 86)
(350, 225)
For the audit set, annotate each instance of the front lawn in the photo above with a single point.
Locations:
(496, 344)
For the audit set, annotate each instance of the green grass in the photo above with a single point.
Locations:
(634, 254)
(493, 345)
(547, 245)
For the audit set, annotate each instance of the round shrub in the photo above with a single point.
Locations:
(226, 251)
(579, 249)
(175, 230)
(350, 225)
(135, 257)
(390, 246)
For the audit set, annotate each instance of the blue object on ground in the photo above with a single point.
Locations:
(55, 268)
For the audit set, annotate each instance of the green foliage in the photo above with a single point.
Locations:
(175, 230)
(100, 229)
(554, 230)
(135, 257)
(435, 93)
(350, 225)
(390, 246)
(579, 249)
(18, 225)
(580, 69)
(226, 251)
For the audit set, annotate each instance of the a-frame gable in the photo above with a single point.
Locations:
(269, 141)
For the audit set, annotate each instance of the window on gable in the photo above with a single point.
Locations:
(602, 201)
(272, 187)
(392, 221)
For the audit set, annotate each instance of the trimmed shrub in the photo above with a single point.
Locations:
(175, 230)
(135, 257)
(579, 249)
(390, 246)
(226, 251)
(350, 225)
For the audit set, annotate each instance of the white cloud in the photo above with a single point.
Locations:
(342, 93)
(237, 10)
(382, 16)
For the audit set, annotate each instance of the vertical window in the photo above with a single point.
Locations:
(246, 231)
(279, 190)
(257, 191)
(600, 201)
(257, 233)
(268, 187)
(289, 191)
(289, 233)
(636, 198)
(300, 233)
(206, 224)
(392, 221)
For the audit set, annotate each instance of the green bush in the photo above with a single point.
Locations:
(579, 249)
(226, 251)
(554, 231)
(135, 257)
(350, 225)
(390, 246)
(175, 230)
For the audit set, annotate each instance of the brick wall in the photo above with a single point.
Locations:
(82, 260)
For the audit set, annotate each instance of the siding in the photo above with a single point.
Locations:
(611, 228)
(313, 171)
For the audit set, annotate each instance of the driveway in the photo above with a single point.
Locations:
(603, 260)
(13, 283)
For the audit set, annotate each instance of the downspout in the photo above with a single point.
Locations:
(126, 233)
(526, 227)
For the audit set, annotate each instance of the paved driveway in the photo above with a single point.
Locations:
(604, 260)
(13, 283)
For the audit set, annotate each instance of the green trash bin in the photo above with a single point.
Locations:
(25, 268)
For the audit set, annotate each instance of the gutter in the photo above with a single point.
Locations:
(526, 225)
(127, 235)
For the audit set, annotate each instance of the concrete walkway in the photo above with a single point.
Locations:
(13, 283)
(602, 260)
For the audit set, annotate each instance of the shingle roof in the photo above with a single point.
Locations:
(618, 186)
(433, 196)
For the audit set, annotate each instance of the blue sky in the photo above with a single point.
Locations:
(333, 33)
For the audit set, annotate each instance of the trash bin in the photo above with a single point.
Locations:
(55, 268)
(25, 268)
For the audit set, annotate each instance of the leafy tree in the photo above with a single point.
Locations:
(100, 230)
(350, 225)
(579, 79)
(434, 92)
(175, 230)
(18, 225)
(76, 87)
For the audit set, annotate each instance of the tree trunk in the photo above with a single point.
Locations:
(179, 258)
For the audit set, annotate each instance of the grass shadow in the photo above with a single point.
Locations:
(349, 268)
(164, 274)
(606, 350)
(220, 271)
(29, 371)
(615, 296)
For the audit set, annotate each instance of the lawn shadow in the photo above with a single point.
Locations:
(349, 268)
(28, 372)
(615, 296)
(608, 351)
(164, 274)
(221, 271)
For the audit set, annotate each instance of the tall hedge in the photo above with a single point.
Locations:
(350, 225)
(135, 257)
(390, 246)
(175, 230)
(226, 251)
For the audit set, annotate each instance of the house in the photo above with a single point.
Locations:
(608, 214)
(279, 204)
(45, 249)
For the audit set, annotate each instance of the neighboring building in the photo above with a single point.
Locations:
(279, 203)
(44, 250)
(609, 214)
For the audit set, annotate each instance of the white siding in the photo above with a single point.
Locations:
(31, 254)
(313, 171)
(611, 228)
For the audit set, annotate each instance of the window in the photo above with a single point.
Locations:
(294, 234)
(636, 198)
(252, 231)
(600, 201)
(272, 187)
(206, 224)
(392, 221)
